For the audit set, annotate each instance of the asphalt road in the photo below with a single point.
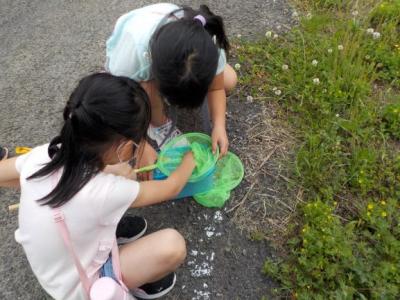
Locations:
(45, 47)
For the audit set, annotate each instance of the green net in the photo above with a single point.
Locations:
(228, 174)
(172, 154)
(228, 170)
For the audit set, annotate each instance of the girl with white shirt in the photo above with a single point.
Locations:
(105, 123)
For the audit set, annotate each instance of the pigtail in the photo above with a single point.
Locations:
(214, 24)
(76, 171)
(101, 111)
(215, 27)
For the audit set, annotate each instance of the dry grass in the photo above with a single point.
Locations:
(266, 200)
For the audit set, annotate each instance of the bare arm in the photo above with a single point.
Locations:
(156, 191)
(217, 104)
(9, 176)
(217, 101)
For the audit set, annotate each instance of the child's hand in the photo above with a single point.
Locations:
(219, 138)
(148, 157)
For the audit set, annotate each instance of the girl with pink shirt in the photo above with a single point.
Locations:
(86, 172)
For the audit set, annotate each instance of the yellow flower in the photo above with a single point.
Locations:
(368, 214)
(383, 202)
(304, 229)
(370, 206)
(384, 214)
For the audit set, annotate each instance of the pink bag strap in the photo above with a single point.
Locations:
(58, 217)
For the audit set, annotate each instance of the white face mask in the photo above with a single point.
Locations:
(132, 160)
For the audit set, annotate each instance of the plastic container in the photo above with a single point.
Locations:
(191, 188)
(171, 155)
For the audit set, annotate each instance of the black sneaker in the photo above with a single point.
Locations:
(130, 229)
(3, 153)
(156, 289)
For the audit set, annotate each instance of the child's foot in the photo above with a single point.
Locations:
(156, 289)
(163, 134)
(130, 229)
(3, 153)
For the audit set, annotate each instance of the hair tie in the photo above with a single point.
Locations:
(201, 19)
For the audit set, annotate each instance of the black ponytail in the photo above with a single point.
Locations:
(102, 110)
(185, 56)
(214, 24)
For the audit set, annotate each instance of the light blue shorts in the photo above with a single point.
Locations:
(107, 269)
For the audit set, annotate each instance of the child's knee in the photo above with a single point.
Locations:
(230, 78)
(174, 246)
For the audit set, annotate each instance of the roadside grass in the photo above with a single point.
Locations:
(336, 77)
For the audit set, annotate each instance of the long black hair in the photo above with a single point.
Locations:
(102, 110)
(185, 56)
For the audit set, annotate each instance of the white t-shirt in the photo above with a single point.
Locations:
(91, 216)
(127, 51)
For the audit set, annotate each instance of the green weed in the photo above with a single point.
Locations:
(336, 75)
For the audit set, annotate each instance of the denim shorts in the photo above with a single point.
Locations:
(107, 269)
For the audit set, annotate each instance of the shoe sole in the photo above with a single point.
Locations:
(122, 240)
(142, 294)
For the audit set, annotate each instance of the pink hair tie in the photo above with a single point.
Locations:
(201, 19)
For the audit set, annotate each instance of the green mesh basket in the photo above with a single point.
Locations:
(228, 174)
(200, 144)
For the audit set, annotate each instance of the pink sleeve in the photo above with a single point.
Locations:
(120, 193)
(40, 154)
(21, 160)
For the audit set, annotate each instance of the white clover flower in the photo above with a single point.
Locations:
(309, 16)
(340, 47)
(275, 36)
(330, 50)
(237, 66)
(295, 14)
(367, 57)
(274, 88)
(337, 115)
(314, 62)
(370, 30)
(268, 34)
(354, 13)
(249, 98)
(316, 81)
(239, 36)
(278, 92)
(376, 35)
(285, 67)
